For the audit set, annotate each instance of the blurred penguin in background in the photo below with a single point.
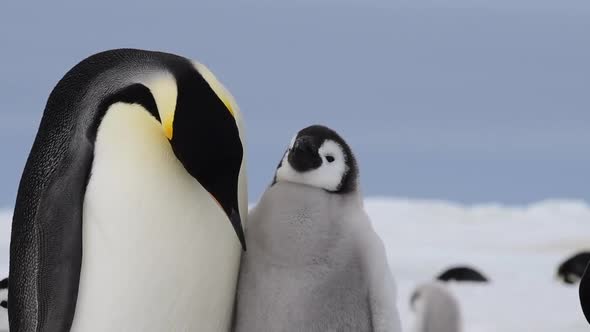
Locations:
(462, 273)
(584, 293)
(436, 309)
(4, 293)
(572, 269)
(4, 305)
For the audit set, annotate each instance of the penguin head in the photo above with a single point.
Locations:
(568, 277)
(200, 120)
(571, 270)
(317, 156)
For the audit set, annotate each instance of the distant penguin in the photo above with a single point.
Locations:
(584, 293)
(128, 214)
(572, 269)
(4, 293)
(314, 262)
(436, 309)
(462, 273)
(3, 305)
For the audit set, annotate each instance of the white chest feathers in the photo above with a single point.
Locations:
(158, 253)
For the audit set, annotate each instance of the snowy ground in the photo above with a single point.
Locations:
(518, 248)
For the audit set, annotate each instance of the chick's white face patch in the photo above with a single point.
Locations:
(327, 176)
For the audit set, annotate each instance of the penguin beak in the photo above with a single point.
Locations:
(215, 168)
(233, 213)
(304, 155)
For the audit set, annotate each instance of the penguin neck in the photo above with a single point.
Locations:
(351, 197)
(297, 225)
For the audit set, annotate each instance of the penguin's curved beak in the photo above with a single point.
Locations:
(212, 152)
(224, 190)
(304, 154)
(233, 213)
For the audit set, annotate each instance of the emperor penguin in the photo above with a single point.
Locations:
(314, 262)
(572, 269)
(130, 201)
(584, 293)
(4, 293)
(436, 309)
(462, 273)
(3, 305)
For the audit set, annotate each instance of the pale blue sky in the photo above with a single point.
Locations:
(471, 101)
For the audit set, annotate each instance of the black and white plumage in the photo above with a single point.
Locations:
(462, 273)
(4, 305)
(571, 270)
(584, 293)
(314, 262)
(436, 309)
(4, 293)
(130, 201)
(317, 156)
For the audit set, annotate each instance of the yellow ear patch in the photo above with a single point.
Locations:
(167, 125)
(165, 91)
(218, 88)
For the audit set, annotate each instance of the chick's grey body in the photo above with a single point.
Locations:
(313, 263)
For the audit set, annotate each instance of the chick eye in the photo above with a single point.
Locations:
(329, 159)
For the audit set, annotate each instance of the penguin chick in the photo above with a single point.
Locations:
(314, 262)
(436, 309)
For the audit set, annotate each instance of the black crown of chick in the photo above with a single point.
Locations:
(193, 112)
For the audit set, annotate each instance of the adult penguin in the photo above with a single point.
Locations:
(462, 273)
(584, 292)
(572, 269)
(130, 201)
(3, 293)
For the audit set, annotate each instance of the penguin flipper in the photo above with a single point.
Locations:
(382, 295)
(46, 238)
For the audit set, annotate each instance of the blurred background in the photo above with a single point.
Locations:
(445, 100)
(471, 101)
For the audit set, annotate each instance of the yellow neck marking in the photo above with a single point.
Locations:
(165, 92)
(218, 88)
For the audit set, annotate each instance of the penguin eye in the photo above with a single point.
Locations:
(329, 159)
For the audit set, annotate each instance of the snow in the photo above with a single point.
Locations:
(518, 248)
